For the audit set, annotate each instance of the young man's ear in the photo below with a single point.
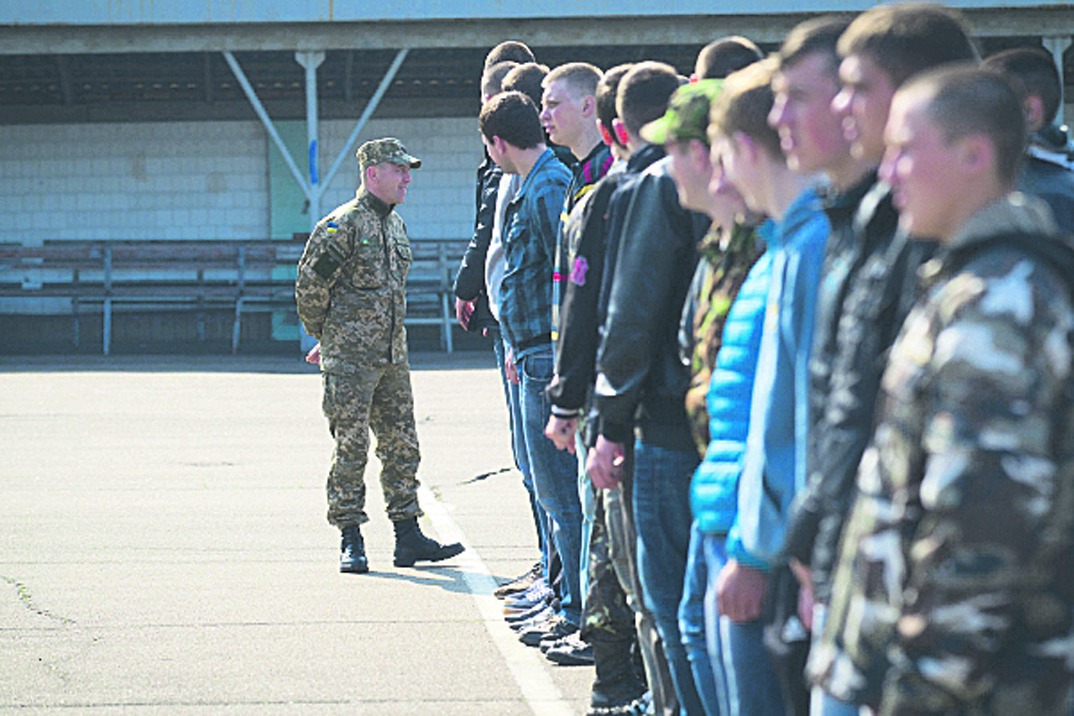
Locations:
(976, 154)
(621, 134)
(605, 135)
(589, 105)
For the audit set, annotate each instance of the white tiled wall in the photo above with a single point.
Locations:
(206, 180)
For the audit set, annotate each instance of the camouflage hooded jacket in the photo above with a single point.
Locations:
(351, 285)
(953, 592)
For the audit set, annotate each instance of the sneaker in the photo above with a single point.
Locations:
(539, 618)
(516, 617)
(518, 584)
(556, 626)
(522, 602)
(569, 651)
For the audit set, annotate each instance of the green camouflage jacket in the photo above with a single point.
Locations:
(953, 590)
(351, 285)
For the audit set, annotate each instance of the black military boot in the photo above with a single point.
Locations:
(412, 546)
(352, 551)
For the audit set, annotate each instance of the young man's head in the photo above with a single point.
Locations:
(527, 79)
(882, 48)
(807, 80)
(1035, 72)
(606, 114)
(385, 166)
(955, 141)
(509, 124)
(569, 107)
(642, 97)
(721, 57)
(509, 50)
(744, 146)
(683, 132)
(492, 79)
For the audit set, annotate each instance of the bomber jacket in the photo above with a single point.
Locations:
(640, 379)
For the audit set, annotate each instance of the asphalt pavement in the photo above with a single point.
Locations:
(164, 549)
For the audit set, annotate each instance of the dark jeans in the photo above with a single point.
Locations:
(662, 517)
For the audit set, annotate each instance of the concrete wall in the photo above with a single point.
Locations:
(206, 180)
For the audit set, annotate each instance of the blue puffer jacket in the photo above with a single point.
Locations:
(715, 485)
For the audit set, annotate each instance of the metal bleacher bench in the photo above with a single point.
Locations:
(104, 277)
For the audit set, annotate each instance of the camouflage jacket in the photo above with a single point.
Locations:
(351, 285)
(720, 274)
(953, 590)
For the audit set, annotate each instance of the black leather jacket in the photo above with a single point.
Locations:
(641, 381)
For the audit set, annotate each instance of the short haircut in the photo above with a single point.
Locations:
(743, 105)
(817, 35)
(511, 116)
(721, 57)
(492, 79)
(526, 78)
(606, 92)
(581, 77)
(903, 40)
(643, 94)
(966, 99)
(512, 50)
(1035, 70)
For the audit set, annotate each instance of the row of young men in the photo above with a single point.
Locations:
(945, 595)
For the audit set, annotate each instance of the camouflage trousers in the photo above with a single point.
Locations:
(376, 397)
(607, 614)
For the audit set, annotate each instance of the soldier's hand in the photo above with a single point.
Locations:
(463, 311)
(740, 592)
(314, 356)
(561, 432)
(605, 464)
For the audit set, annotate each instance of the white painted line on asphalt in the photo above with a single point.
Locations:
(525, 663)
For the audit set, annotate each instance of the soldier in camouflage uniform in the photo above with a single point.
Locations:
(953, 593)
(351, 296)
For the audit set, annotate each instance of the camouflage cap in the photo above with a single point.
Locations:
(687, 116)
(386, 149)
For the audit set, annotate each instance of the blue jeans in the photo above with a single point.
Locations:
(518, 449)
(555, 477)
(708, 674)
(714, 553)
(662, 519)
(752, 686)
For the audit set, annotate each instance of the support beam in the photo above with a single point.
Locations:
(67, 88)
(371, 107)
(1057, 45)
(267, 122)
(207, 66)
(310, 61)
